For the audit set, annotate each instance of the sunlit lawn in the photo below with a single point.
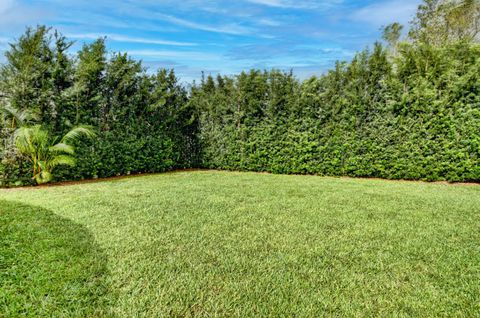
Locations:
(210, 243)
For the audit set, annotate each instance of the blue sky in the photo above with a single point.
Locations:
(215, 36)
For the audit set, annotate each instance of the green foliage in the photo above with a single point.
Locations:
(411, 117)
(144, 122)
(438, 22)
(44, 153)
(405, 111)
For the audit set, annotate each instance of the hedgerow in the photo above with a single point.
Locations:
(413, 116)
(405, 109)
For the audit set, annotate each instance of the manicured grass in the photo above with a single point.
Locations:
(244, 244)
(49, 266)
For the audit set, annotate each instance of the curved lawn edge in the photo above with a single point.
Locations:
(49, 265)
(139, 175)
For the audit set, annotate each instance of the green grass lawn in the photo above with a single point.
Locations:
(222, 244)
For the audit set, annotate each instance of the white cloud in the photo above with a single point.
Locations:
(296, 4)
(233, 28)
(5, 5)
(127, 39)
(385, 13)
(13, 15)
(190, 55)
(155, 15)
(269, 22)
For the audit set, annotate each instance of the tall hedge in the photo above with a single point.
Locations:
(410, 110)
(144, 122)
(412, 115)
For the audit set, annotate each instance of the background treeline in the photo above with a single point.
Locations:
(415, 118)
(143, 122)
(407, 108)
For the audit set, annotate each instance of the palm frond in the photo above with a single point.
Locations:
(42, 164)
(62, 160)
(33, 142)
(62, 148)
(28, 115)
(43, 177)
(78, 132)
(25, 139)
(18, 117)
(40, 148)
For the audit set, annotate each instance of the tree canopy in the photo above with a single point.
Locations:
(406, 108)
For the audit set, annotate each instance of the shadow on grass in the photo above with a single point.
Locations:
(49, 265)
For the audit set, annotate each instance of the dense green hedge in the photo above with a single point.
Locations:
(412, 115)
(143, 122)
(411, 111)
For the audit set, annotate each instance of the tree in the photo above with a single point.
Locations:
(463, 20)
(25, 78)
(88, 91)
(43, 151)
(391, 35)
(439, 22)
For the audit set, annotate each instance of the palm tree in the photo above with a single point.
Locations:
(14, 118)
(43, 150)
(10, 119)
